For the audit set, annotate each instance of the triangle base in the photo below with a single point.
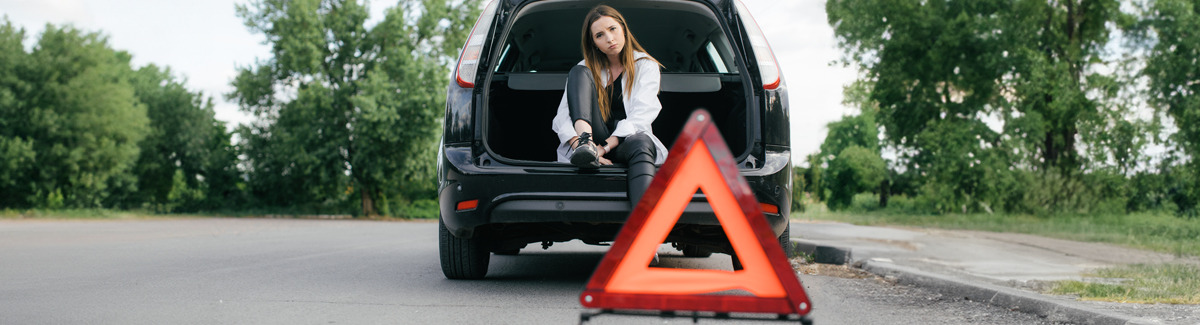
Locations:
(705, 303)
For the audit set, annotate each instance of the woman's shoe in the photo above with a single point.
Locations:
(584, 154)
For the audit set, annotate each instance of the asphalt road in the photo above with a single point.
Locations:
(276, 271)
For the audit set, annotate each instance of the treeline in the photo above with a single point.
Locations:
(347, 117)
(81, 127)
(1017, 106)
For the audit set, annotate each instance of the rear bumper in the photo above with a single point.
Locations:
(512, 195)
(531, 210)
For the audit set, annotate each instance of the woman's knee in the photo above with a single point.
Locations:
(640, 140)
(640, 146)
(581, 75)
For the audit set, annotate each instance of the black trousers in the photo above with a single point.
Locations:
(637, 151)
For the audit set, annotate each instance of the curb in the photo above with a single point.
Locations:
(1003, 297)
(822, 253)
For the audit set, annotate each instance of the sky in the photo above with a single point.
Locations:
(204, 42)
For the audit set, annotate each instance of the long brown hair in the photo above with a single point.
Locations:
(597, 61)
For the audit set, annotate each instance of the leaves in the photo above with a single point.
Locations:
(186, 150)
(996, 87)
(855, 169)
(80, 128)
(347, 111)
(84, 119)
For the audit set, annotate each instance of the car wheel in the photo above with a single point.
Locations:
(695, 251)
(785, 241)
(465, 259)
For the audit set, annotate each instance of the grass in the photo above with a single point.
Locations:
(76, 214)
(419, 210)
(1139, 283)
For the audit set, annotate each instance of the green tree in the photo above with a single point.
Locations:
(16, 147)
(851, 131)
(1032, 68)
(798, 193)
(1169, 33)
(968, 173)
(855, 170)
(347, 111)
(72, 106)
(1054, 47)
(854, 131)
(187, 162)
(812, 176)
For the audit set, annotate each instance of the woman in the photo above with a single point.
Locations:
(610, 100)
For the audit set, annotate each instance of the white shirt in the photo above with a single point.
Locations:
(641, 108)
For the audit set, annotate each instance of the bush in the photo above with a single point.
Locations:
(855, 170)
(419, 209)
(798, 189)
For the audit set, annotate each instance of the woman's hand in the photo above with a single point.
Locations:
(611, 144)
(601, 150)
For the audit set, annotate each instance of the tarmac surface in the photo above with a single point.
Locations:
(287, 271)
(1003, 269)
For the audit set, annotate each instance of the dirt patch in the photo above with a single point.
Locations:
(838, 271)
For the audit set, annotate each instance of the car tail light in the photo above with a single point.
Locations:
(768, 69)
(468, 61)
(467, 205)
(769, 208)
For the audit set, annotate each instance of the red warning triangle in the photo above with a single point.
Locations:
(699, 159)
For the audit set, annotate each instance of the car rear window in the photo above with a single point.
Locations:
(684, 36)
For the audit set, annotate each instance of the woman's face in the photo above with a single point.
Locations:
(608, 36)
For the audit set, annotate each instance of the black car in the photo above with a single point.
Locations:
(499, 186)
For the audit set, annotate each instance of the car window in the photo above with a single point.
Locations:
(717, 62)
(683, 36)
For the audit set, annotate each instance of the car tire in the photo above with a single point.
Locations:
(462, 259)
(785, 241)
(694, 251)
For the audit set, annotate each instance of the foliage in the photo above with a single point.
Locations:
(71, 123)
(812, 177)
(16, 150)
(187, 162)
(347, 110)
(1168, 32)
(71, 213)
(798, 193)
(80, 128)
(854, 130)
(1014, 105)
(856, 169)
(419, 209)
(851, 152)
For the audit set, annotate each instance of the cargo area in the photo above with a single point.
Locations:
(700, 70)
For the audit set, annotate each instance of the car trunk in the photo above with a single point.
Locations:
(529, 75)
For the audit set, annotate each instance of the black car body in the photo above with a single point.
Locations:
(499, 185)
